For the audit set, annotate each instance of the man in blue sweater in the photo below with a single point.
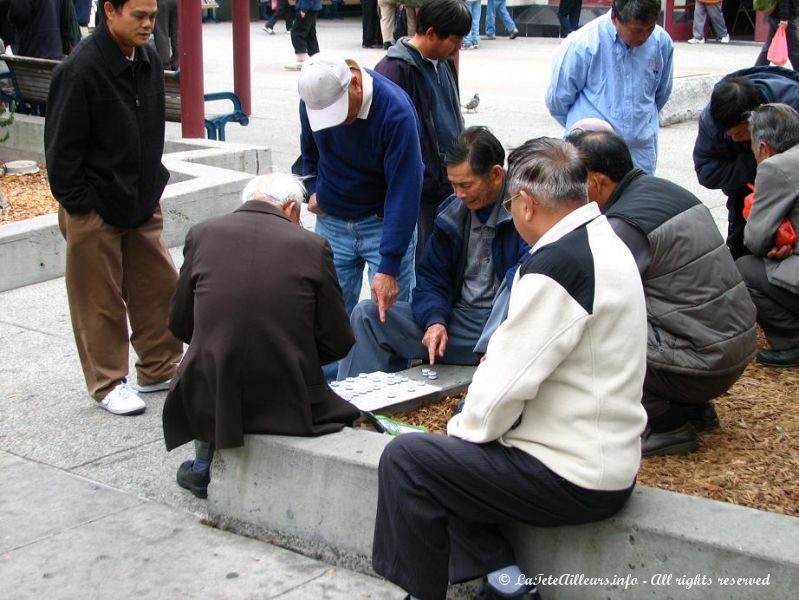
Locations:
(464, 276)
(360, 141)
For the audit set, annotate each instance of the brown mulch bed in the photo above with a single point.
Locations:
(751, 460)
(28, 195)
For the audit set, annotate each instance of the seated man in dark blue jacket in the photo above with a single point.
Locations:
(723, 154)
(464, 276)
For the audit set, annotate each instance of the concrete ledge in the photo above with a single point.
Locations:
(206, 179)
(689, 96)
(318, 496)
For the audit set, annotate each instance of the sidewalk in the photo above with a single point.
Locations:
(89, 503)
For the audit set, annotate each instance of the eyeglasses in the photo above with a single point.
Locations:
(508, 201)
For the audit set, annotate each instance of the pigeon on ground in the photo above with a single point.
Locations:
(472, 104)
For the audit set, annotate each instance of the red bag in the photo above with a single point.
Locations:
(785, 234)
(778, 50)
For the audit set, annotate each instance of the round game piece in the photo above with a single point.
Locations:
(363, 376)
(425, 372)
(432, 374)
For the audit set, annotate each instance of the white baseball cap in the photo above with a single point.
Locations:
(324, 87)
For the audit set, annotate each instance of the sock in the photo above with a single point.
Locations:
(200, 465)
(507, 580)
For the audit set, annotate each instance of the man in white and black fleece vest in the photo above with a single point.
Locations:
(701, 320)
(550, 429)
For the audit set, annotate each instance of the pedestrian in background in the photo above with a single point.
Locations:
(569, 16)
(784, 17)
(702, 10)
(284, 11)
(494, 7)
(166, 34)
(303, 32)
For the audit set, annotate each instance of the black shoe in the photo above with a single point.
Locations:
(703, 416)
(514, 34)
(677, 441)
(196, 483)
(387, 45)
(779, 358)
(489, 593)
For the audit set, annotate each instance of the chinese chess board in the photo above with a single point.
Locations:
(374, 391)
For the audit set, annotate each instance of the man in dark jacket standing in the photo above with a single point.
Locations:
(723, 157)
(700, 319)
(259, 304)
(464, 277)
(785, 17)
(44, 27)
(422, 65)
(104, 137)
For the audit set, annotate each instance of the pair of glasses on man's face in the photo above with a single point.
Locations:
(508, 201)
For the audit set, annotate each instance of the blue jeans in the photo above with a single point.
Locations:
(355, 243)
(474, 35)
(494, 7)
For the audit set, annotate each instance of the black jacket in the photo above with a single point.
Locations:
(400, 68)
(42, 27)
(104, 132)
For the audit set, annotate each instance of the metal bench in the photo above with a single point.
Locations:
(214, 125)
(31, 83)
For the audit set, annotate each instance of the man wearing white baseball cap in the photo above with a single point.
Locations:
(362, 154)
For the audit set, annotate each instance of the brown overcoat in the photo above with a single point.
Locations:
(260, 306)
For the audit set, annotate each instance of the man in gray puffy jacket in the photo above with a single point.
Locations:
(701, 320)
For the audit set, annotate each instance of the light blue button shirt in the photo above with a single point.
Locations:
(596, 74)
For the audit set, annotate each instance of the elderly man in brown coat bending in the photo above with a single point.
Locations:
(259, 304)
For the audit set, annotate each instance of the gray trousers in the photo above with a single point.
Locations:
(701, 12)
(662, 389)
(389, 346)
(777, 308)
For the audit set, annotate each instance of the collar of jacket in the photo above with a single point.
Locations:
(260, 206)
(621, 186)
(401, 51)
(112, 53)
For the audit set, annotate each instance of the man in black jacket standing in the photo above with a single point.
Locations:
(104, 137)
(422, 65)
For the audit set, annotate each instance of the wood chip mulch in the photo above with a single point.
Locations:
(28, 196)
(751, 460)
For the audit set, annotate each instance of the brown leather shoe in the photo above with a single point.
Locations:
(677, 441)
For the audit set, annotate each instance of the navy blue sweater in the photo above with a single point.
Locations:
(371, 167)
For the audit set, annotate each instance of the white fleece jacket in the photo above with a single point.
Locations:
(569, 360)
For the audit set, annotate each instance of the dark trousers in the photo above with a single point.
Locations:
(166, 34)
(441, 502)
(736, 222)
(665, 390)
(284, 11)
(303, 33)
(569, 16)
(371, 24)
(790, 34)
(777, 308)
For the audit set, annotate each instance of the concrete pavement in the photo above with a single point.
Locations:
(90, 507)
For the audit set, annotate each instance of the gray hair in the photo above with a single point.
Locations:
(775, 124)
(549, 169)
(276, 188)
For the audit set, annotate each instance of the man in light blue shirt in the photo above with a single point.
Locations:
(617, 68)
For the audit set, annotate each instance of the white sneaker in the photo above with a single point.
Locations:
(161, 386)
(123, 401)
(725, 39)
(696, 41)
(269, 30)
(297, 66)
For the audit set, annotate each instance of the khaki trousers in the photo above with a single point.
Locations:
(113, 274)
(388, 9)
